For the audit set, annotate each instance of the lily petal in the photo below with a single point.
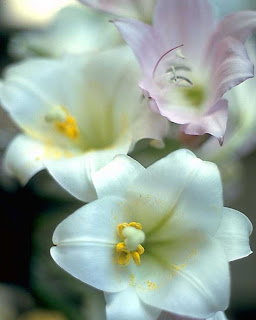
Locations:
(213, 122)
(187, 22)
(230, 66)
(119, 308)
(238, 25)
(175, 188)
(74, 30)
(185, 285)
(30, 154)
(85, 245)
(234, 233)
(74, 174)
(115, 177)
(218, 316)
(138, 9)
(145, 42)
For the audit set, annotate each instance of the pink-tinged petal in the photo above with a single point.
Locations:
(185, 22)
(145, 42)
(230, 66)
(213, 122)
(139, 9)
(239, 25)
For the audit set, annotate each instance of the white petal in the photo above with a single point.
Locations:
(115, 177)
(218, 316)
(189, 276)
(74, 30)
(29, 95)
(172, 316)
(74, 174)
(179, 187)
(85, 245)
(234, 233)
(24, 157)
(126, 305)
(169, 316)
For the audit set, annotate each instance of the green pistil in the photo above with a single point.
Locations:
(195, 95)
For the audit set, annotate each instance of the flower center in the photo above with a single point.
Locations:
(131, 247)
(194, 94)
(63, 121)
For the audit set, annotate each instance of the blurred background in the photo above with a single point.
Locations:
(32, 287)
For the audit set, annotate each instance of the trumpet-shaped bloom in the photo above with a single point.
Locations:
(189, 62)
(74, 30)
(156, 237)
(240, 135)
(75, 116)
(137, 9)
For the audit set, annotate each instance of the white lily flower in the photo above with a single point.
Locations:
(75, 116)
(158, 238)
(74, 30)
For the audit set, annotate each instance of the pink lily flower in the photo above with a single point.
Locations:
(189, 62)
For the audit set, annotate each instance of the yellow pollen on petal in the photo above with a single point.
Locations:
(130, 247)
(68, 127)
(63, 121)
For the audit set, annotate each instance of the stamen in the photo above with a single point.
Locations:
(161, 58)
(174, 73)
(179, 54)
(182, 78)
(131, 247)
(179, 68)
(63, 121)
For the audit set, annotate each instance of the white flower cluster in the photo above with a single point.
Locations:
(156, 240)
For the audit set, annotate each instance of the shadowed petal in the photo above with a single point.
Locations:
(234, 233)
(230, 66)
(115, 177)
(74, 174)
(126, 305)
(213, 122)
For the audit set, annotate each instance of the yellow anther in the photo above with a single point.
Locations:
(130, 247)
(124, 258)
(136, 257)
(120, 247)
(63, 121)
(135, 225)
(120, 229)
(140, 250)
(68, 127)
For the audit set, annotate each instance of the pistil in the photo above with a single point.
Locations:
(131, 247)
